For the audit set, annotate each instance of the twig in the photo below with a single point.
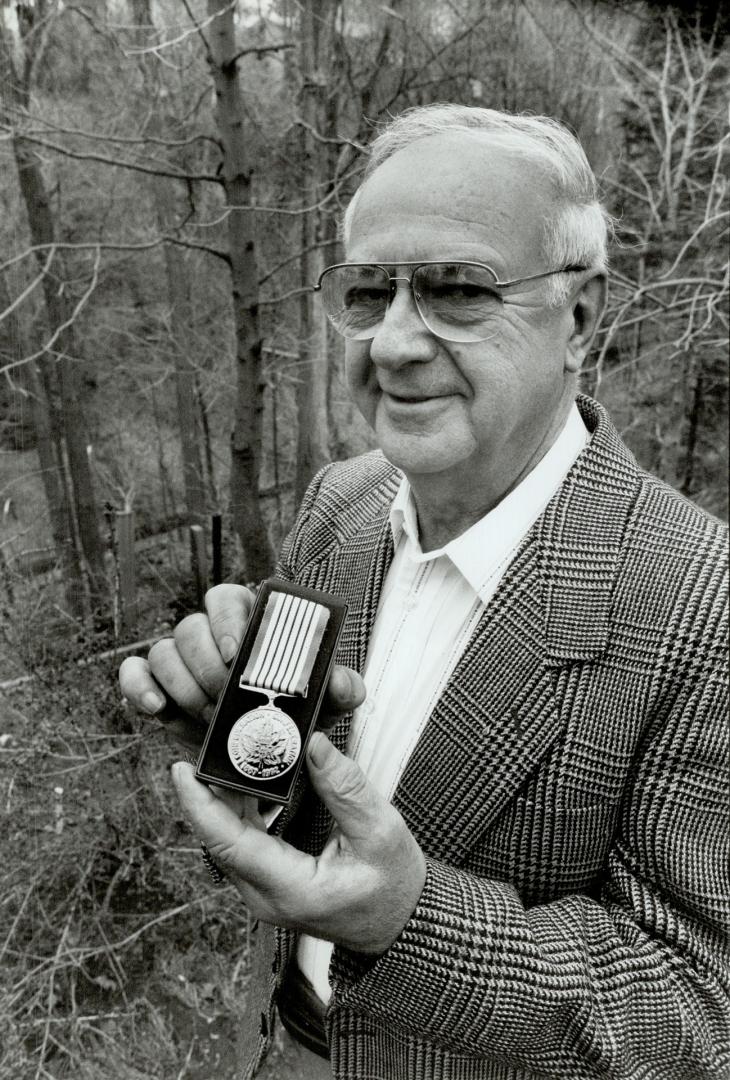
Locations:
(260, 50)
(64, 325)
(16, 920)
(95, 136)
(337, 140)
(29, 288)
(212, 178)
(54, 967)
(184, 1067)
(196, 29)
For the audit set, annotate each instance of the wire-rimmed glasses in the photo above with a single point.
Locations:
(457, 301)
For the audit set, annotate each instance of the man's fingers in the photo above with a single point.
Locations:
(228, 608)
(345, 691)
(173, 675)
(199, 652)
(143, 692)
(139, 686)
(354, 803)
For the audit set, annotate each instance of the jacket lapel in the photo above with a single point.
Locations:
(362, 564)
(497, 717)
(493, 723)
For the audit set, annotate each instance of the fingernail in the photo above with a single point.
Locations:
(318, 749)
(151, 702)
(229, 648)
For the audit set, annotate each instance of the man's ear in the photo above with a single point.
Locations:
(587, 310)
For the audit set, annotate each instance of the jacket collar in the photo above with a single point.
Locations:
(580, 539)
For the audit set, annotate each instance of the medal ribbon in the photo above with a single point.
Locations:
(286, 644)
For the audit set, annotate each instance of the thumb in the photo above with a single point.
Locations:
(240, 848)
(215, 823)
(343, 787)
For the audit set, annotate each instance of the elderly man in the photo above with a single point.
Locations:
(509, 860)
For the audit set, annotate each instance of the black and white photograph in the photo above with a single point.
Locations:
(363, 540)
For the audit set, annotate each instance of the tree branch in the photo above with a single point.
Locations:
(117, 246)
(142, 140)
(209, 177)
(64, 325)
(196, 28)
(338, 140)
(259, 50)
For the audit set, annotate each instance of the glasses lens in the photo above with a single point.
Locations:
(355, 299)
(458, 302)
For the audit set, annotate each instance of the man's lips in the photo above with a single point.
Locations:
(411, 398)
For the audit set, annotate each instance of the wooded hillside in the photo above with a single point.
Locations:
(173, 174)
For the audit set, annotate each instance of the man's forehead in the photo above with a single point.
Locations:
(457, 181)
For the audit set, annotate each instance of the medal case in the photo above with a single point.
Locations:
(243, 710)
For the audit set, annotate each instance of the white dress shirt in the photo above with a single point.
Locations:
(429, 607)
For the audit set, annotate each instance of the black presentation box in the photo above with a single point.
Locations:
(214, 764)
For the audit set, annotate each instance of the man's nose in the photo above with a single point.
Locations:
(402, 336)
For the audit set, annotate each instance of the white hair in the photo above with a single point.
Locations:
(576, 235)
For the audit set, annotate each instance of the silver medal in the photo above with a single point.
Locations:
(264, 743)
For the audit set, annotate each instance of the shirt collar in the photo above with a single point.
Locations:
(479, 551)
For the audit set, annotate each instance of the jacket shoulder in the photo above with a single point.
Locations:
(666, 517)
(340, 500)
(673, 584)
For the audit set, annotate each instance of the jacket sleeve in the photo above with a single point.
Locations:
(631, 981)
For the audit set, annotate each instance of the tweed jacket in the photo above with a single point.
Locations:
(570, 793)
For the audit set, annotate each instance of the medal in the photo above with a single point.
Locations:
(257, 738)
(264, 743)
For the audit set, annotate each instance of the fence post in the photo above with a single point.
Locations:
(217, 543)
(127, 583)
(199, 562)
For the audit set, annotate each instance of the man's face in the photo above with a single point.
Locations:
(472, 409)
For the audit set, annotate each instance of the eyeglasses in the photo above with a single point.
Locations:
(458, 301)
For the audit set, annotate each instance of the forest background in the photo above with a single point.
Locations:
(172, 175)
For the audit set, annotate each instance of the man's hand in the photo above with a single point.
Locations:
(363, 888)
(181, 679)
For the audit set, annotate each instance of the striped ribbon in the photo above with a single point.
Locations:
(286, 644)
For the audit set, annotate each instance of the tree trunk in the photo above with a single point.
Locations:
(178, 289)
(248, 519)
(75, 431)
(83, 508)
(316, 33)
(29, 382)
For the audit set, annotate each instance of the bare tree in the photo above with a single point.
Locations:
(26, 378)
(237, 172)
(318, 98)
(667, 330)
(55, 285)
(167, 212)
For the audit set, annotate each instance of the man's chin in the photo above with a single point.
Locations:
(424, 455)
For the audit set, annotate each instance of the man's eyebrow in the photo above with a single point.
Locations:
(368, 270)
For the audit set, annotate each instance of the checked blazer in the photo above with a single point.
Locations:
(570, 793)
